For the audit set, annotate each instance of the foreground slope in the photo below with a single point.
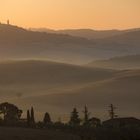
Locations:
(33, 134)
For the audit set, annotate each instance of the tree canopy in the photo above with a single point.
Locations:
(10, 112)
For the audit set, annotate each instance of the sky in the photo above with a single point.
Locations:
(65, 14)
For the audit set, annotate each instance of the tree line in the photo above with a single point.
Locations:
(88, 128)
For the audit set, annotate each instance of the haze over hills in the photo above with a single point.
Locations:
(122, 90)
(18, 43)
(77, 78)
(86, 33)
(57, 87)
(29, 79)
(45, 77)
(124, 62)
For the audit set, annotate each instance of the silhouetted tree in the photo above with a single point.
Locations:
(86, 116)
(47, 119)
(32, 116)
(74, 119)
(28, 118)
(10, 112)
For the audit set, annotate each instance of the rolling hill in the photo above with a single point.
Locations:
(18, 43)
(22, 81)
(57, 87)
(124, 62)
(86, 33)
(121, 90)
(45, 77)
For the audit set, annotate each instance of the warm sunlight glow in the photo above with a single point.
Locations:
(60, 14)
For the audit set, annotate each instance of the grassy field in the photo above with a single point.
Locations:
(33, 134)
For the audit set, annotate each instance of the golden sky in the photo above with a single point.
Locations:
(62, 14)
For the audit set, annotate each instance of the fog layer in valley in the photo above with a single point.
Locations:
(55, 72)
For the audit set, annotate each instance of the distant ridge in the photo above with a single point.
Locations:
(18, 33)
(19, 43)
(87, 33)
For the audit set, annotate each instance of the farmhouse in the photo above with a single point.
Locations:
(121, 122)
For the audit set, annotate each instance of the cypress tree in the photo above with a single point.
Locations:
(86, 116)
(32, 116)
(74, 119)
(28, 118)
(47, 120)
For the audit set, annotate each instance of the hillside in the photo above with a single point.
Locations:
(26, 82)
(45, 77)
(121, 90)
(57, 87)
(122, 39)
(126, 44)
(86, 33)
(124, 62)
(17, 34)
(18, 43)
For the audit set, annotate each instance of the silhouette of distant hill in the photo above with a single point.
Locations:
(13, 33)
(18, 43)
(86, 33)
(124, 62)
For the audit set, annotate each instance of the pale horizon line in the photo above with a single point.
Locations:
(84, 28)
(81, 28)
